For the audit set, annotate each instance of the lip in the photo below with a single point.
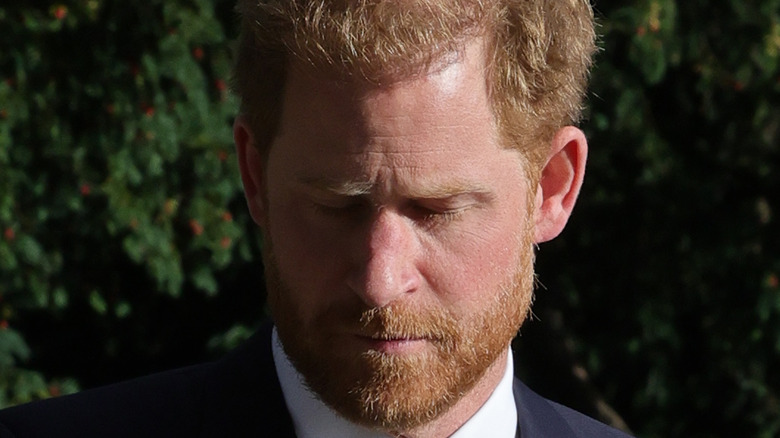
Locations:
(400, 345)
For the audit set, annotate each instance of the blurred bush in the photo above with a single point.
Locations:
(666, 279)
(126, 247)
(116, 175)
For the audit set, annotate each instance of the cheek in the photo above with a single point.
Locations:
(474, 265)
(309, 259)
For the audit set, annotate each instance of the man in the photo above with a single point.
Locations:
(402, 159)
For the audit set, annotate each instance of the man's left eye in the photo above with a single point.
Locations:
(433, 216)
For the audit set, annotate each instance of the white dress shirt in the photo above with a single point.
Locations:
(497, 418)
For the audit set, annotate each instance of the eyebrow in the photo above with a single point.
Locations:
(337, 187)
(433, 191)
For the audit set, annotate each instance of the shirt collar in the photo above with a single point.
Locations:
(313, 419)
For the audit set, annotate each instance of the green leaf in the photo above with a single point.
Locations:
(12, 348)
(30, 250)
(97, 302)
(204, 280)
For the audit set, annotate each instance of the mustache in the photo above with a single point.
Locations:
(398, 321)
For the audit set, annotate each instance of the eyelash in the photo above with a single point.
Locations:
(444, 217)
(426, 216)
(334, 211)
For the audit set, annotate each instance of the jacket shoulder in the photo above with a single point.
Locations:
(539, 417)
(237, 396)
(163, 404)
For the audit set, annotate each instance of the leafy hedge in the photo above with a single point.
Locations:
(126, 247)
(117, 170)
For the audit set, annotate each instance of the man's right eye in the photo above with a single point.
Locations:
(337, 208)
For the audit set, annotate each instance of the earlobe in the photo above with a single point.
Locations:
(560, 183)
(251, 166)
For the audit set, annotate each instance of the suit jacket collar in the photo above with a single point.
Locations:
(243, 387)
(536, 417)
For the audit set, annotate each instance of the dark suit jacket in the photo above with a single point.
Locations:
(238, 396)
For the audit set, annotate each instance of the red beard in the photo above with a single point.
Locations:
(340, 357)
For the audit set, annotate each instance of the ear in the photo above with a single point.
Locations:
(560, 183)
(252, 168)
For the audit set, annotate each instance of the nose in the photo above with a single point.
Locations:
(387, 267)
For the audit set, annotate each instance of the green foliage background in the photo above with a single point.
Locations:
(126, 247)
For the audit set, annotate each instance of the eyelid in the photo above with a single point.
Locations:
(334, 202)
(451, 204)
(433, 213)
(431, 219)
(337, 206)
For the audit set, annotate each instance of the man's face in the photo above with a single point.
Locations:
(399, 243)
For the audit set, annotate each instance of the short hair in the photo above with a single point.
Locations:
(538, 54)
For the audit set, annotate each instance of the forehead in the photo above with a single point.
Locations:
(408, 136)
(455, 83)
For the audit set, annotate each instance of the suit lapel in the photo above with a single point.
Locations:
(536, 418)
(242, 394)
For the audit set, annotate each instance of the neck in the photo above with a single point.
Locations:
(451, 420)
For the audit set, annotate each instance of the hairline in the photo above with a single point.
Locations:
(434, 63)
